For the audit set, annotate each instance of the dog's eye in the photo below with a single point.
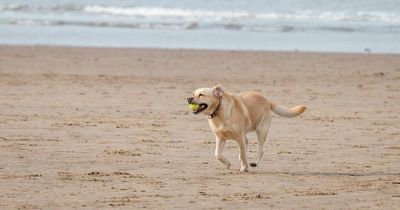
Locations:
(201, 94)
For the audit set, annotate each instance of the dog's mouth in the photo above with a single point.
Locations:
(202, 107)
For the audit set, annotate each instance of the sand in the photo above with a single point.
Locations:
(109, 128)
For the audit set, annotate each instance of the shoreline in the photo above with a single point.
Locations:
(196, 49)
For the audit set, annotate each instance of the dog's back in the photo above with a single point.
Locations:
(257, 106)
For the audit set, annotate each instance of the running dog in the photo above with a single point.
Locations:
(232, 116)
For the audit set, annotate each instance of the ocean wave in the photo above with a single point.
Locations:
(25, 8)
(209, 15)
(306, 15)
(14, 7)
(36, 22)
(284, 28)
(165, 12)
(186, 19)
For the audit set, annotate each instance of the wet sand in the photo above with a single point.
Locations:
(110, 128)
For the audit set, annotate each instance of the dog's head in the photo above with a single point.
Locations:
(206, 98)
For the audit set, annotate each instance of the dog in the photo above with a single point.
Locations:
(232, 116)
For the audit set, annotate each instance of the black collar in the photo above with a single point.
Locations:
(215, 112)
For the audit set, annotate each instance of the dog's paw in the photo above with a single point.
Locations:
(243, 169)
(253, 164)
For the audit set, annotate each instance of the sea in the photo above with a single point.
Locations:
(367, 26)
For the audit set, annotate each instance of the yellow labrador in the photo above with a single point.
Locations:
(232, 116)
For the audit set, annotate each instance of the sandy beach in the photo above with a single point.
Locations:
(110, 128)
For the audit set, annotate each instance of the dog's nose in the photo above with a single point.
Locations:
(190, 99)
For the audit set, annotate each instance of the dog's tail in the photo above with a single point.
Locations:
(285, 112)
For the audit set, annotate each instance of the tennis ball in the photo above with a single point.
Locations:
(193, 107)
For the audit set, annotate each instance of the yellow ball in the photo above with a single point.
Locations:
(193, 107)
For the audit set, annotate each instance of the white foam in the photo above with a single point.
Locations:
(385, 17)
(164, 12)
(306, 15)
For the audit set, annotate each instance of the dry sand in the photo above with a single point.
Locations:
(110, 128)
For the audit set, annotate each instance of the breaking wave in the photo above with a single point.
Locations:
(190, 19)
(359, 16)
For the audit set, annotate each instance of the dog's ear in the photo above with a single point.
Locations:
(218, 91)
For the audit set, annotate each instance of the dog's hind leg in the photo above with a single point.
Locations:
(246, 143)
(262, 132)
(219, 147)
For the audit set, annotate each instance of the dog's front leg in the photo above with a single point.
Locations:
(219, 147)
(242, 155)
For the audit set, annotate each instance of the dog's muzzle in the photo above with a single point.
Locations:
(202, 106)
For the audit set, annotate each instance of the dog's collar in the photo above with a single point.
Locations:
(215, 112)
